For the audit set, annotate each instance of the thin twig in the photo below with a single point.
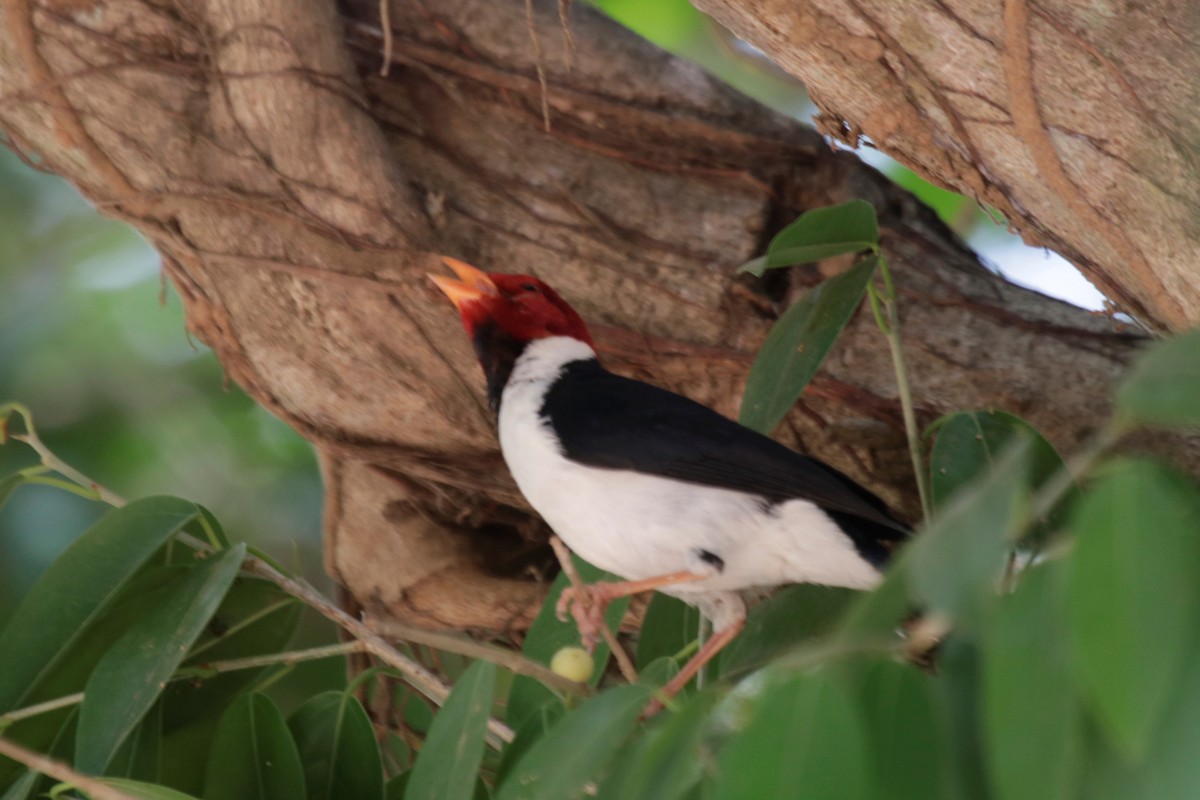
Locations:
(251, 662)
(38, 709)
(420, 678)
(385, 22)
(537, 61)
(628, 670)
(564, 19)
(60, 771)
(501, 656)
(50, 460)
(891, 330)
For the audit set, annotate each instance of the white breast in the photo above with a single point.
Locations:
(639, 526)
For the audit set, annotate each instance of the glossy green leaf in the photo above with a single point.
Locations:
(905, 732)
(146, 791)
(77, 588)
(581, 746)
(969, 443)
(548, 635)
(140, 756)
(782, 622)
(338, 748)
(798, 343)
(448, 764)
(536, 726)
(256, 618)
(1164, 384)
(1133, 595)
(1032, 721)
(135, 670)
(669, 626)
(253, 756)
(663, 764)
(804, 739)
(821, 233)
(957, 563)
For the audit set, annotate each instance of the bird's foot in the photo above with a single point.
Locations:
(586, 603)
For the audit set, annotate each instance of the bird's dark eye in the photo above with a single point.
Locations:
(529, 287)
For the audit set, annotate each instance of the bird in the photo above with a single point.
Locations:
(649, 485)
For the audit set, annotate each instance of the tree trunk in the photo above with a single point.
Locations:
(1076, 120)
(298, 198)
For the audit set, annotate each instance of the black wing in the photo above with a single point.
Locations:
(604, 420)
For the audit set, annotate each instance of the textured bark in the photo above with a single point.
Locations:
(298, 198)
(1077, 120)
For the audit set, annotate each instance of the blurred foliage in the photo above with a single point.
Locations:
(95, 344)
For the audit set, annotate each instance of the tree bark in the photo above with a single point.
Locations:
(1078, 121)
(298, 198)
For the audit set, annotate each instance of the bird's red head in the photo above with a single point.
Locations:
(521, 306)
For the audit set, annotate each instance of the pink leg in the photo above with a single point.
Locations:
(588, 603)
(697, 662)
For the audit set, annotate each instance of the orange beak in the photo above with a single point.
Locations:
(473, 284)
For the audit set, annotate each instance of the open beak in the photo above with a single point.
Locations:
(472, 283)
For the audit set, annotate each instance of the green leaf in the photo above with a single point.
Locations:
(1164, 384)
(876, 614)
(790, 617)
(136, 668)
(140, 756)
(253, 756)
(536, 726)
(958, 687)
(397, 786)
(821, 233)
(669, 626)
(256, 618)
(23, 787)
(1032, 719)
(663, 764)
(582, 745)
(77, 588)
(905, 732)
(448, 764)
(956, 564)
(548, 635)
(805, 739)
(8, 485)
(1133, 595)
(1170, 768)
(969, 443)
(145, 791)
(337, 746)
(798, 343)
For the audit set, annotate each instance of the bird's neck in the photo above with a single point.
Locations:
(506, 359)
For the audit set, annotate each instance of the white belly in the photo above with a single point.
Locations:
(639, 526)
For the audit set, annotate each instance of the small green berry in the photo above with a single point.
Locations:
(573, 663)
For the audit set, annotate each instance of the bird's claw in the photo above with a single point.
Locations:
(587, 607)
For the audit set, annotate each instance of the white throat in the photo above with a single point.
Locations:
(543, 361)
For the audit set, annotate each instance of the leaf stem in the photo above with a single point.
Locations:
(37, 709)
(891, 330)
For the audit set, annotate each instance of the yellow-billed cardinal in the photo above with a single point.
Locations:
(650, 485)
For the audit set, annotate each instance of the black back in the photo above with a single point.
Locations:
(604, 420)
